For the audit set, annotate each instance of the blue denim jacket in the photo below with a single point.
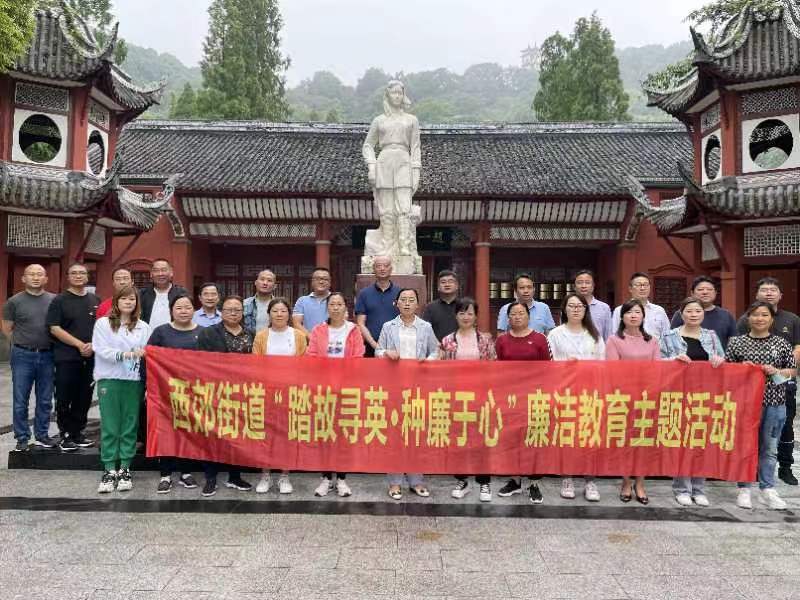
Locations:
(427, 344)
(673, 345)
(250, 313)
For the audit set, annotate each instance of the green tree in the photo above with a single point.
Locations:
(99, 18)
(16, 30)
(580, 77)
(333, 116)
(243, 67)
(185, 105)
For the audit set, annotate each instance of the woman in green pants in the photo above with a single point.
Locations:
(118, 343)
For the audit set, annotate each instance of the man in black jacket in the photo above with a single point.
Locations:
(156, 298)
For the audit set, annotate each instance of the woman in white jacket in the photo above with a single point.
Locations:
(118, 343)
(577, 339)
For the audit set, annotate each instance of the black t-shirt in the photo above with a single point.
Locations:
(694, 349)
(75, 315)
(786, 325)
(442, 317)
(166, 336)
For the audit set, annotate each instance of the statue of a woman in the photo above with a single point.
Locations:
(394, 176)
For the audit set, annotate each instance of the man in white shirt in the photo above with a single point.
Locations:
(656, 322)
(156, 298)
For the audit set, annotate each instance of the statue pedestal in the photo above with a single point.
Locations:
(402, 264)
(414, 282)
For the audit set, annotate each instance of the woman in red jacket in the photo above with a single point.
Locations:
(338, 338)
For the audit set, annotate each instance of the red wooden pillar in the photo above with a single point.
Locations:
(6, 118)
(182, 264)
(74, 235)
(78, 129)
(626, 266)
(729, 128)
(482, 247)
(322, 246)
(732, 279)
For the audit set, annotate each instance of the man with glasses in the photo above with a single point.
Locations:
(156, 297)
(787, 325)
(656, 321)
(311, 310)
(208, 314)
(23, 322)
(70, 318)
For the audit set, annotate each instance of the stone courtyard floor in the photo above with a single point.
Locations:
(60, 540)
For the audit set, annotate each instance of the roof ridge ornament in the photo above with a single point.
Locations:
(665, 216)
(87, 46)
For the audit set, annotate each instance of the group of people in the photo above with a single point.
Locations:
(72, 341)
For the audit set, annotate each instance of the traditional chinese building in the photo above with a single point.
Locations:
(547, 198)
(62, 107)
(741, 203)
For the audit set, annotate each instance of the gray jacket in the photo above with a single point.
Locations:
(427, 344)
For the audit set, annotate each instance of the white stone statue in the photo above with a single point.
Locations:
(394, 176)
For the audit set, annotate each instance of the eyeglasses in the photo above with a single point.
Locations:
(406, 300)
(576, 307)
(641, 286)
(320, 278)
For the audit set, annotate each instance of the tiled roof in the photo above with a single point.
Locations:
(752, 46)
(516, 160)
(67, 51)
(45, 190)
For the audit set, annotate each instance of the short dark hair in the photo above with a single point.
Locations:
(416, 293)
(118, 269)
(760, 304)
(627, 307)
(517, 303)
(447, 273)
(522, 276)
(77, 263)
(703, 279)
(176, 298)
(164, 260)
(239, 299)
(687, 301)
(208, 284)
(637, 275)
(769, 281)
(588, 272)
(276, 301)
(463, 304)
(326, 269)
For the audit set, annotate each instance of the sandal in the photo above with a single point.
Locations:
(395, 494)
(420, 491)
(625, 497)
(642, 499)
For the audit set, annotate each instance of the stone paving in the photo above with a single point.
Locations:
(60, 540)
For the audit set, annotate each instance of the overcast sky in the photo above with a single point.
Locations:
(348, 36)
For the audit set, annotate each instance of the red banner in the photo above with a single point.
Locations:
(377, 415)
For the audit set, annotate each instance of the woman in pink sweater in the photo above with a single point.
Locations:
(338, 338)
(632, 342)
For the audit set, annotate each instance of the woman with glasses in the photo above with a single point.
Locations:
(467, 343)
(407, 337)
(229, 336)
(577, 339)
(338, 338)
(279, 339)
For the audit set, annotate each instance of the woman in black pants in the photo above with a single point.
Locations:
(228, 336)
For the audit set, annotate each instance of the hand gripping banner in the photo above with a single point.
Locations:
(504, 418)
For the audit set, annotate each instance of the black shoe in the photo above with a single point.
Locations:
(188, 481)
(67, 445)
(210, 488)
(535, 494)
(239, 484)
(510, 488)
(22, 447)
(786, 476)
(45, 442)
(81, 441)
(164, 485)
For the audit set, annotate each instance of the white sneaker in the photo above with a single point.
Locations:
(342, 489)
(567, 488)
(107, 483)
(325, 486)
(771, 498)
(486, 493)
(683, 499)
(284, 485)
(590, 492)
(461, 489)
(124, 480)
(743, 500)
(701, 500)
(264, 484)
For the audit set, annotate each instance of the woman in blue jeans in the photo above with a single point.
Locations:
(774, 355)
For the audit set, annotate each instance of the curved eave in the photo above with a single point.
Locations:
(670, 215)
(680, 97)
(129, 95)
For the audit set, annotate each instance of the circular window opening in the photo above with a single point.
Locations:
(39, 138)
(96, 152)
(713, 157)
(771, 144)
